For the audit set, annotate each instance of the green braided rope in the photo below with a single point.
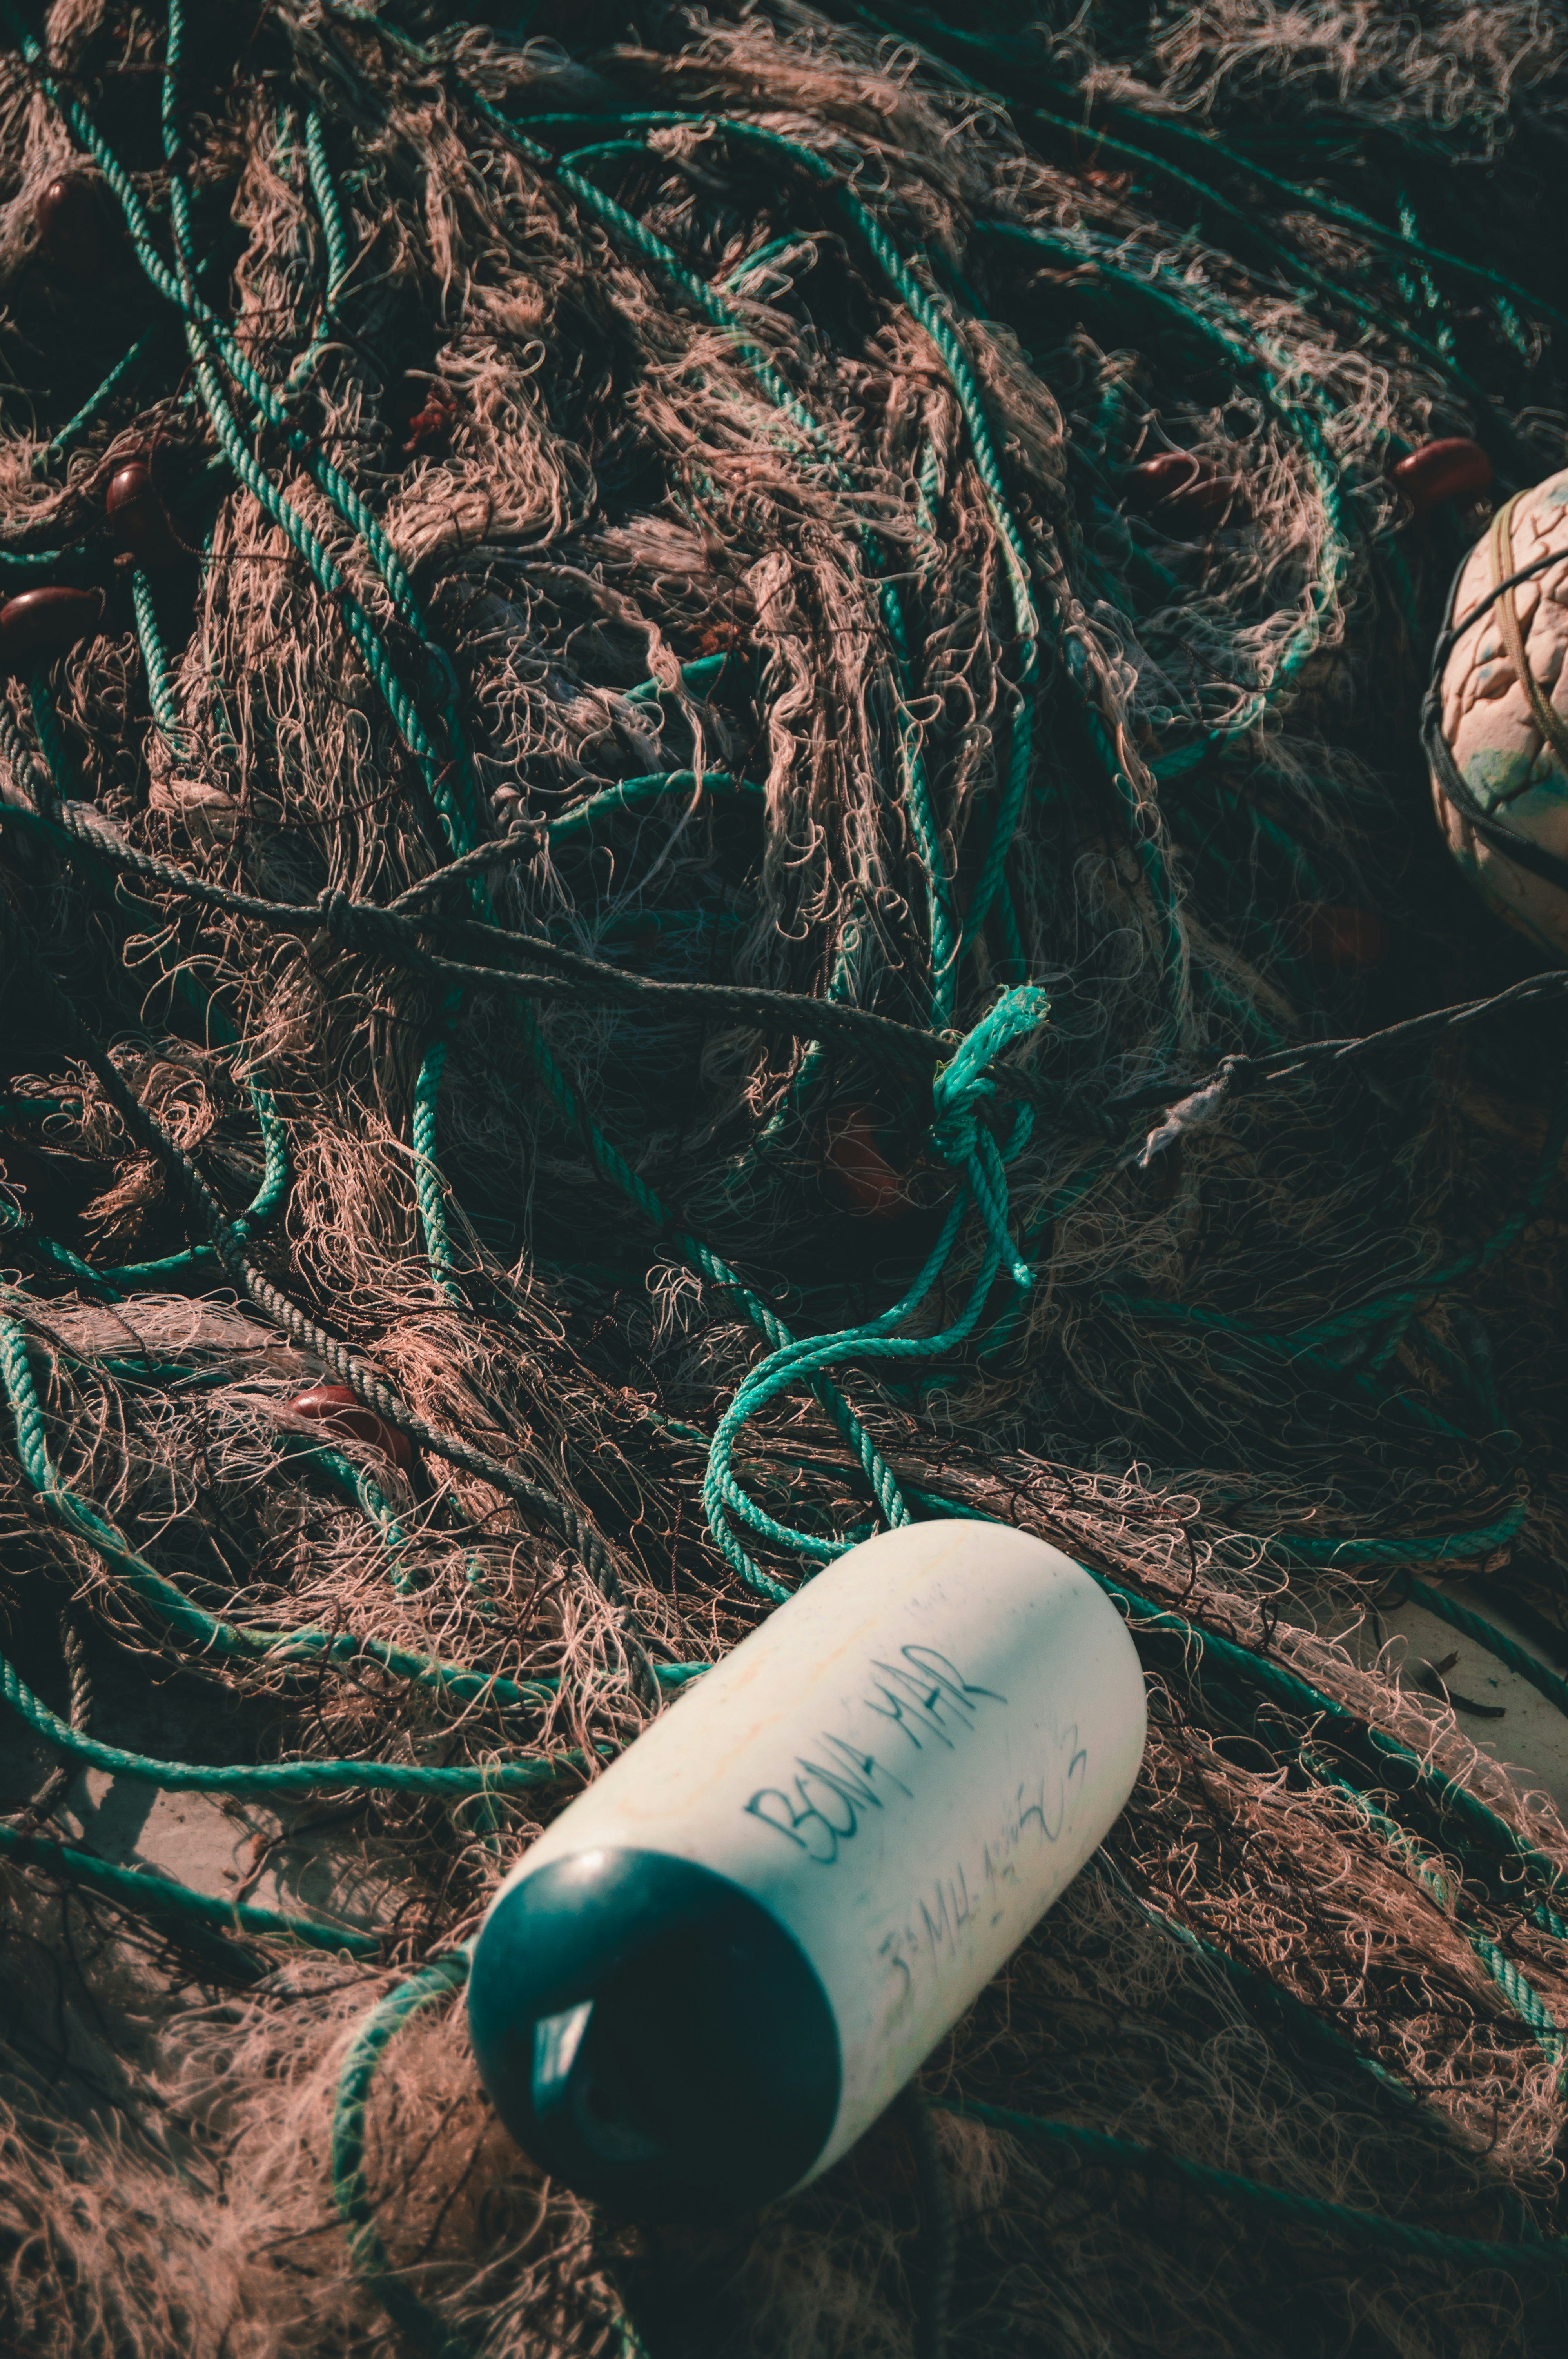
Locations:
(1520, 1995)
(1308, 284)
(955, 360)
(350, 2189)
(45, 721)
(1420, 1548)
(121, 373)
(441, 1978)
(632, 792)
(339, 252)
(957, 1135)
(1252, 353)
(713, 306)
(154, 1896)
(155, 657)
(703, 672)
(428, 1189)
(70, 1264)
(357, 623)
(204, 331)
(204, 1632)
(1338, 2222)
(1299, 1696)
(710, 1266)
(280, 1777)
(1206, 148)
(428, 1192)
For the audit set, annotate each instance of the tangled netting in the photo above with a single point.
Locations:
(738, 825)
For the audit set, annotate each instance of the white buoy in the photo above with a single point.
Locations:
(730, 1953)
(1497, 726)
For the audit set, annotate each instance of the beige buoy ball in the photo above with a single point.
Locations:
(1495, 721)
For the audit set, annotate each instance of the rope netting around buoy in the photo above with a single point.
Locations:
(715, 833)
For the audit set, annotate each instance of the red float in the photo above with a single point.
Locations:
(137, 517)
(43, 622)
(861, 1176)
(1178, 486)
(1453, 468)
(1332, 935)
(425, 409)
(338, 1411)
(72, 229)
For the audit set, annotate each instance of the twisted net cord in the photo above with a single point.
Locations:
(444, 1977)
(1487, 2249)
(370, 1385)
(1208, 154)
(427, 1182)
(1521, 1995)
(427, 1190)
(455, 821)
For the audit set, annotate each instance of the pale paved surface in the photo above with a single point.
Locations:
(197, 1838)
(1532, 1739)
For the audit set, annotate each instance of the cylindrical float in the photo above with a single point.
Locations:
(1495, 721)
(725, 1958)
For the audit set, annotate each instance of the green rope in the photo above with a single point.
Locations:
(1299, 1697)
(156, 1896)
(958, 1091)
(1520, 1995)
(124, 372)
(710, 1266)
(155, 657)
(350, 2189)
(1234, 334)
(340, 253)
(205, 334)
(1340, 2222)
(511, 1776)
(442, 1978)
(70, 1265)
(204, 1632)
(942, 930)
(52, 738)
(632, 792)
(428, 1187)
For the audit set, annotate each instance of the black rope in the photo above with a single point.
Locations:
(399, 936)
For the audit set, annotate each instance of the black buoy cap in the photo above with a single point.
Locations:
(651, 2035)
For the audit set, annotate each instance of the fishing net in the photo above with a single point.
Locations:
(713, 792)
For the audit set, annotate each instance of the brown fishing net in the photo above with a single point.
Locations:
(887, 513)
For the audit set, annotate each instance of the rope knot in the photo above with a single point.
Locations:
(964, 1080)
(957, 1092)
(339, 914)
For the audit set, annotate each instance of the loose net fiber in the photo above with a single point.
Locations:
(749, 842)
